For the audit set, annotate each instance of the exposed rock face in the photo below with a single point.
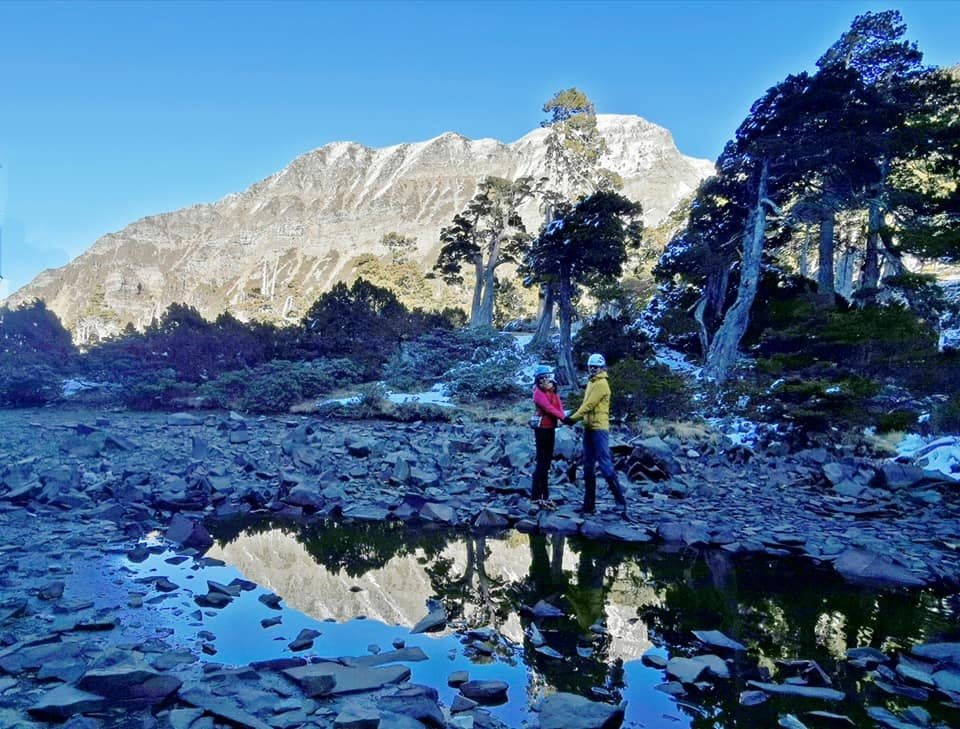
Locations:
(269, 251)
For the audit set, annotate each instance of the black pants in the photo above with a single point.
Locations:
(545, 439)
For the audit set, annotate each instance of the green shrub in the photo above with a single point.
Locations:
(363, 322)
(276, 386)
(780, 364)
(874, 339)
(818, 404)
(409, 412)
(946, 417)
(158, 390)
(898, 420)
(29, 385)
(646, 389)
(611, 336)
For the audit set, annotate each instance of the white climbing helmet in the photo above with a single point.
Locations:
(596, 360)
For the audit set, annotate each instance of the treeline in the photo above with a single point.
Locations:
(346, 336)
(833, 187)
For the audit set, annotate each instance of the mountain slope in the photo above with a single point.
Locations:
(269, 251)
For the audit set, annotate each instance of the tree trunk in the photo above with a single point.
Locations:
(825, 284)
(485, 312)
(485, 317)
(845, 272)
(723, 348)
(804, 262)
(477, 293)
(566, 371)
(702, 325)
(892, 260)
(541, 336)
(870, 273)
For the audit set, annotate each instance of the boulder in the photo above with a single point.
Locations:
(188, 533)
(569, 711)
(433, 621)
(867, 568)
(485, 692)
(357, 717)
(896, 476)
(415, 701)
(65, 701)
(130, 684)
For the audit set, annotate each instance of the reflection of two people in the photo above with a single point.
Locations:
(585, 599)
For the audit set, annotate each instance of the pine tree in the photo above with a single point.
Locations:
(584, 243)
(574, 149)
(487, 234)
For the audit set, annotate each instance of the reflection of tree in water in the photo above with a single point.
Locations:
(475, 588)
(782, 610)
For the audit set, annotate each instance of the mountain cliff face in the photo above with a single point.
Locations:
(269, 251)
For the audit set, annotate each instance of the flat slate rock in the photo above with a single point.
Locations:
(222, 708)
(64, 701)
(790, 689)
(716, 639)
(411, 654)
(321, 679)
(867, 568)
(938, 651)
(569, 711)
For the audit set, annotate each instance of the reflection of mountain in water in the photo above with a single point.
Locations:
(396, 594)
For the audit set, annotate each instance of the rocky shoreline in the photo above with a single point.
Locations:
(80, 489)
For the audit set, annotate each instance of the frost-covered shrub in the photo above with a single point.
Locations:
(818, 404)
(28, 385)
(495, 378)
(423, 361)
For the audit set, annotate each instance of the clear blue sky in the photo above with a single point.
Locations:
(110, 111)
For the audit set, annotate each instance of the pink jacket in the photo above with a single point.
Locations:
(548, 406)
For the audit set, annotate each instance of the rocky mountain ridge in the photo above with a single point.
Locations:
(270, 250)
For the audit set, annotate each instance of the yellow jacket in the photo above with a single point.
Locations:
(594, 411)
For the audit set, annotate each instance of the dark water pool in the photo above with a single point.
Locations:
(363, 586)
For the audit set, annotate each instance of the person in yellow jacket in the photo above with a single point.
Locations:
(594, 411)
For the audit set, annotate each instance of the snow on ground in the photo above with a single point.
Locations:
(676, 361)
(71, 386)
(436, 395)
(932, 454)
(739, 431)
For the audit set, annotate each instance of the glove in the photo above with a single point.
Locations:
(568, 420)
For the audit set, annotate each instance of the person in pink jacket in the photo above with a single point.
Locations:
(549, 412)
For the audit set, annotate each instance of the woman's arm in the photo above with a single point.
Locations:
(543, 402)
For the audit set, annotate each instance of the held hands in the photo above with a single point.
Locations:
(568, 421)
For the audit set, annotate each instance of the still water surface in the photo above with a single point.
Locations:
(363, 586)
